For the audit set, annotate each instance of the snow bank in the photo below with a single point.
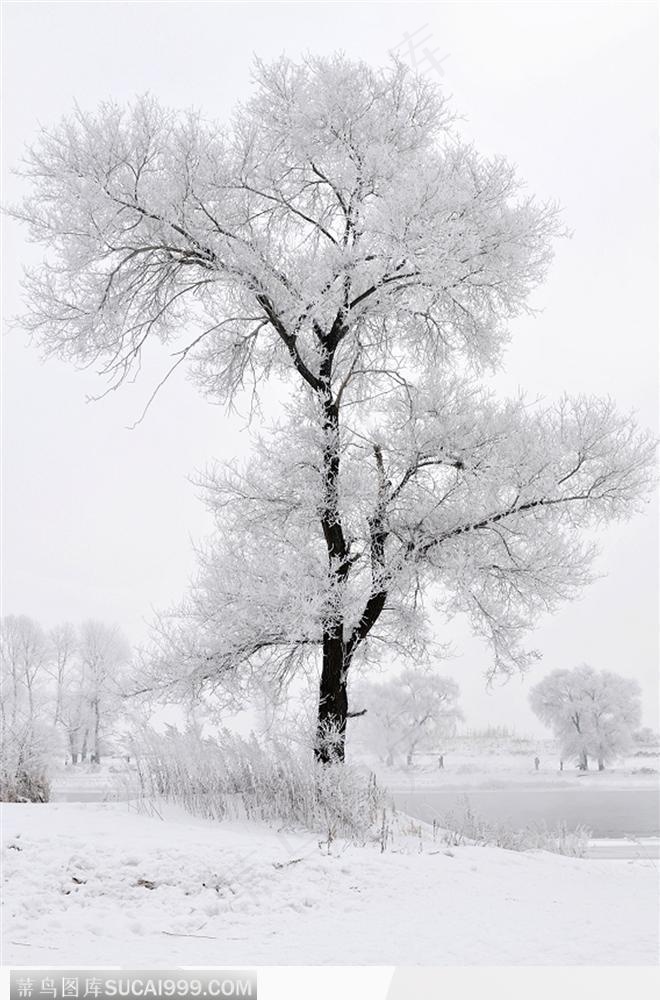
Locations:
(100, 884)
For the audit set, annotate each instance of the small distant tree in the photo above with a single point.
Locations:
(25, 656)
(646, 737)
(63, 647)
(27, 732)
(74, 710)
(593, 714)
(415, 711)
(104, 655)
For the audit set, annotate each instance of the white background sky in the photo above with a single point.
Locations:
(99, 520)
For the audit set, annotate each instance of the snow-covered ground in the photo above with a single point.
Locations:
(99, 883)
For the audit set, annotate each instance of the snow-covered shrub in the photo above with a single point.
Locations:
(25, 749)
(274, 782)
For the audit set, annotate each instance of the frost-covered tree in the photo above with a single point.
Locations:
(646, 737)
(27, 733)
(104, 655)
(25, 654)
(74, 711)
(593, 714)
(338, 239)
(63, 647)
(414, 711)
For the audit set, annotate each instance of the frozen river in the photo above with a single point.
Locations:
(607, 812)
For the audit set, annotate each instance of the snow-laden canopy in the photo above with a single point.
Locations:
(338, 236)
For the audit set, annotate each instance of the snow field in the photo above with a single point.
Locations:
(100, 884)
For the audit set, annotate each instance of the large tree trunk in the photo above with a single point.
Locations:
(333, 704)
(339, 649)
(584, 762)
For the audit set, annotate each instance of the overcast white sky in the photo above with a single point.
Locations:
(99, 520)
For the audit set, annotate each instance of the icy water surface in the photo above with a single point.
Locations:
(633, 812)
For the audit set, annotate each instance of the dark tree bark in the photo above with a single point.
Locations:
(333, 699)
(333, 704)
